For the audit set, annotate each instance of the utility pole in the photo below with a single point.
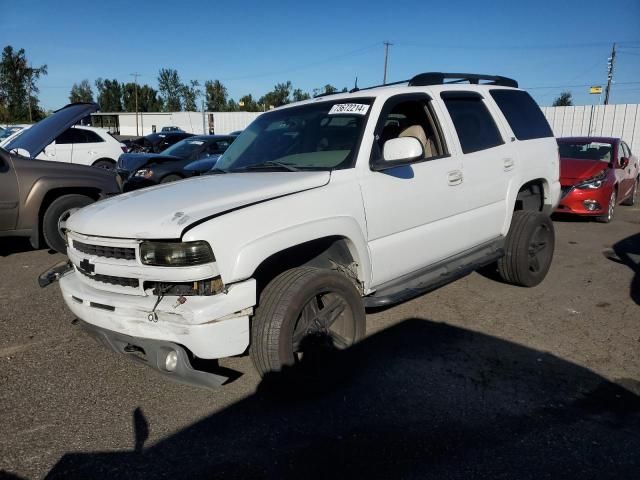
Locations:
(386, 57)
(135, 77)
(30, 70)
(610, 63)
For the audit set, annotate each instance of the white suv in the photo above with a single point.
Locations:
(85, 146)
(318, 210)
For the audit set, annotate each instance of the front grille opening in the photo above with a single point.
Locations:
(120, 281)
(102, 306)
(210, 286)
(125, 253)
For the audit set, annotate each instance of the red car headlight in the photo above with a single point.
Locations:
(594, 182)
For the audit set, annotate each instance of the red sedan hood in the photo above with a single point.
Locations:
(573, 169)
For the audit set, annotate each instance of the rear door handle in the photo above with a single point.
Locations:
(454, 177)
(508, 164)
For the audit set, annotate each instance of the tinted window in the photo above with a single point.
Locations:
(474, 124)
(92, 137)
(523, 114)
(72, 135)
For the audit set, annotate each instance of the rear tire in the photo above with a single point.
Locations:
(55, 217)
(528, 249)
(105, 163)
(303, 315)
(171, 178)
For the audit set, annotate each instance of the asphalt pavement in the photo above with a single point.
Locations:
(478, 379)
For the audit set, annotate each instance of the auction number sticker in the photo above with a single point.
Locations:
(357, 108)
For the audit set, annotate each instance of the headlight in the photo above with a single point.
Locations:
(144, 173)
(176, 254)
(593, 182)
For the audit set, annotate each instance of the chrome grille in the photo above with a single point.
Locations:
(121, 281)
(105, 251)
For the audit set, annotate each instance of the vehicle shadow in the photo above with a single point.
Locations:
(419, 400)
(627, 252)
(12, 245)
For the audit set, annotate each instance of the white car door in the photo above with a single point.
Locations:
(61, 149)
(489, 161)
(412, 211)
(90, 147)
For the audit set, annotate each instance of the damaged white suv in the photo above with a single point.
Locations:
(318, 210)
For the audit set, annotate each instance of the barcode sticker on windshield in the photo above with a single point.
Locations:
(357, 108)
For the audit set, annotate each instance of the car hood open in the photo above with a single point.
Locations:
(573, 169)
(163, 212)
(36, 138)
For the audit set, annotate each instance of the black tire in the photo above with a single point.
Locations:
(171, 178)
(55, 216)
(105, 163)
(528, 249)
(633, 198)
(283, 331)
(613, 199)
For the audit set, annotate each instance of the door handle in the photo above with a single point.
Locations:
(454, 177)
(508, 164)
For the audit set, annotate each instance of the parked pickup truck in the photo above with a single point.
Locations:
(318, 210)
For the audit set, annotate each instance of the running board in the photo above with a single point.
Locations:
(435, 276)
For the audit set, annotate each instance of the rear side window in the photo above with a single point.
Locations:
(92, 137)
(523, 114)
(474, 124)
(77, 135)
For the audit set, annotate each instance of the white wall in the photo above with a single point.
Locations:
(223, 122)
(597, 120)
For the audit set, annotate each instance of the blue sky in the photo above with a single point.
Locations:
(252, 45)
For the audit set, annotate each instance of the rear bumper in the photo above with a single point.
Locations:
(210, 327)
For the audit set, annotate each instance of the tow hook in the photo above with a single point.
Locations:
(54, 273)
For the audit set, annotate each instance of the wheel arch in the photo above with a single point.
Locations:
(104, 159)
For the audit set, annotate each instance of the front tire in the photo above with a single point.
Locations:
(171, 178)
(528, 249)
(55, 218)
(105, 163)
(610, 209)
(304, 314)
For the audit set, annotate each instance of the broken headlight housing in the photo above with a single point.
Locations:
(176, 254)
(593, 182)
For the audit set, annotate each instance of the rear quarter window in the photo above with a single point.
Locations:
(522, 113)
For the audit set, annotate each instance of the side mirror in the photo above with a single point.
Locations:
(624, 162)
(399, 151)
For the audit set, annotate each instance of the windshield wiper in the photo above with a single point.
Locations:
(216, 171)
(271, 164)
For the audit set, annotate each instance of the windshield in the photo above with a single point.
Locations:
(586, 150)
(317, 136)
(184, 148)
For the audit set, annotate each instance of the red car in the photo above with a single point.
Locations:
(596, 174)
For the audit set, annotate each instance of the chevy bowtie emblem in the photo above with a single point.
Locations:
(87, 267)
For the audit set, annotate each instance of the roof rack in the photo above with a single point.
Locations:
(438, 78)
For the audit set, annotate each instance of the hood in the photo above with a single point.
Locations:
(572, 169)
(163, 212)
(131, 162)
(202, 165)
(36, 138)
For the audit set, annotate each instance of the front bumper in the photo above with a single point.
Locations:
(576, 201)
(153, 353)
(136, 183)
(210, 327)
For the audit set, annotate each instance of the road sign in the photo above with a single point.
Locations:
(595, 90)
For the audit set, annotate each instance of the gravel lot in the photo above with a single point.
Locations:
(477, 379)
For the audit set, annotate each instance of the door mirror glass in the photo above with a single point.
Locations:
(405, 149)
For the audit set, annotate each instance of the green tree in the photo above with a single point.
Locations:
(232, 106)
(190, 95)
(248, 104)
(564, 100)
(215, 96)
(148, 99)
(81, 92)
(298, 95)
(18, 87)
(328, 89)
(171, 89)
(109, 95)
(276, 97)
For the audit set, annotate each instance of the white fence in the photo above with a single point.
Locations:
(597, 120)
